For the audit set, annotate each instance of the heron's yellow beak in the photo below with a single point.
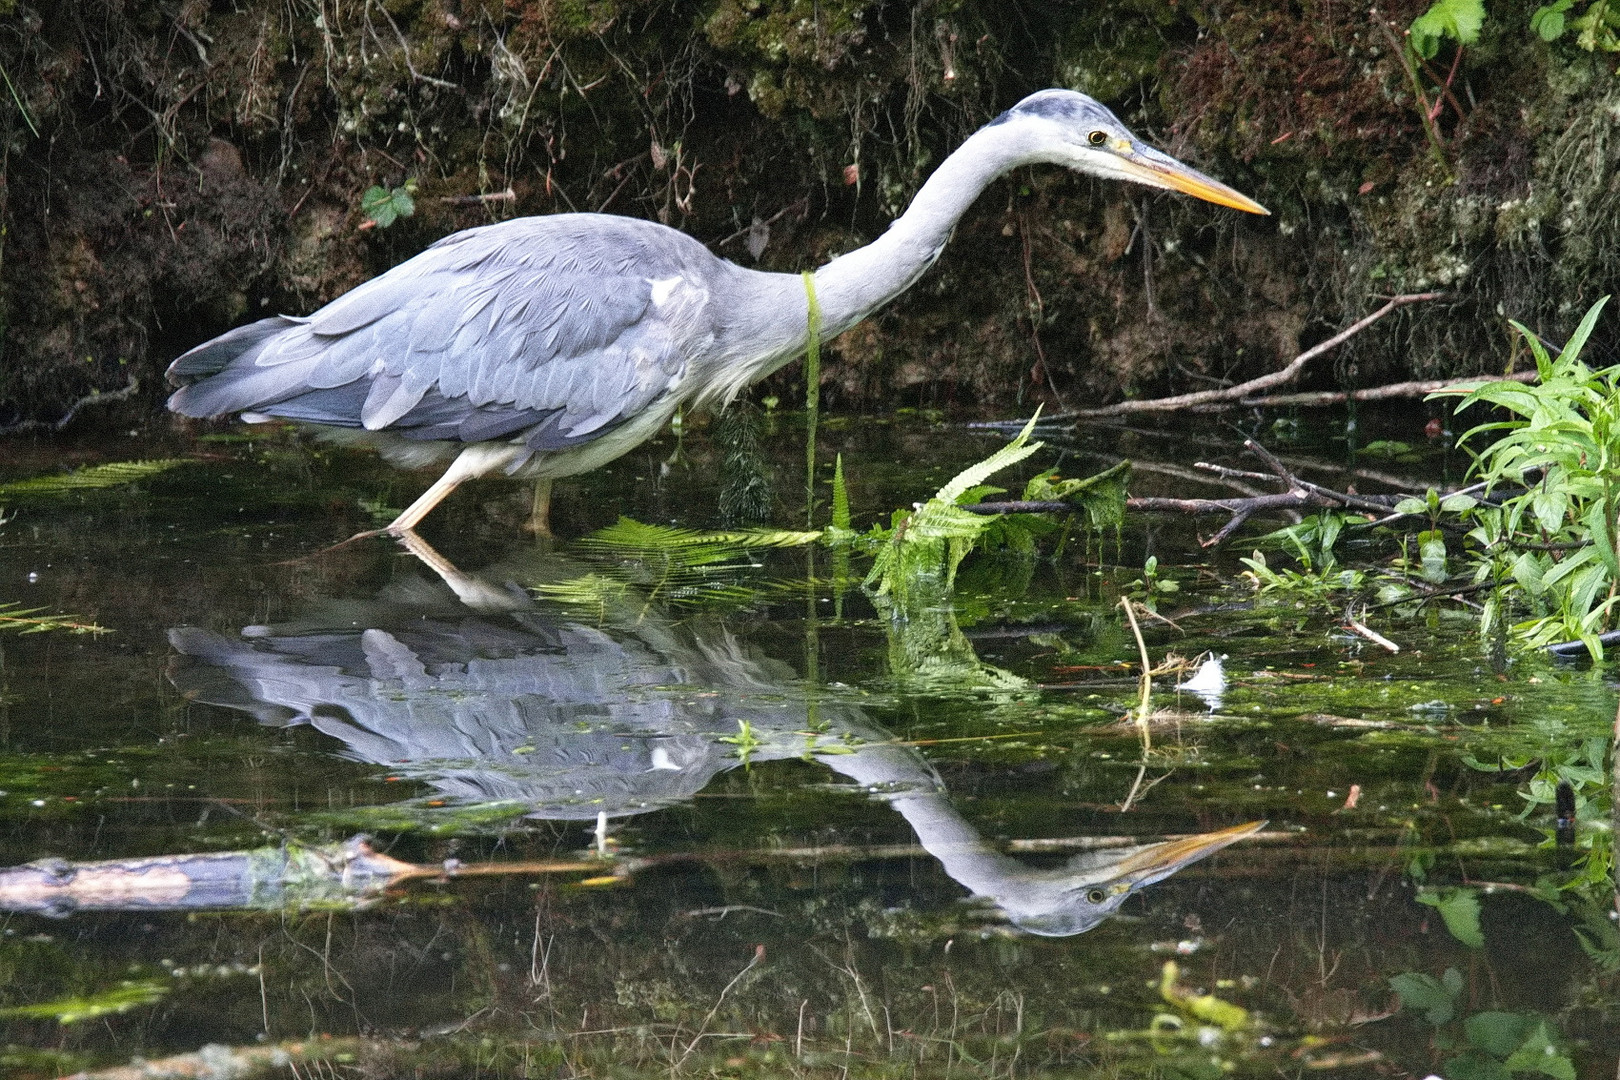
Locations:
(1161, 860)
(1149, 166)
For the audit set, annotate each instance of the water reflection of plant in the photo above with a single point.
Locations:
(1490, 1045)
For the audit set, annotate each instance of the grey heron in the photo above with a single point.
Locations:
(544, 347)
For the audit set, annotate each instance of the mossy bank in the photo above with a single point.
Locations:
(169, 171)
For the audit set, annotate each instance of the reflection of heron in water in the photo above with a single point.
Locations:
(578, 722)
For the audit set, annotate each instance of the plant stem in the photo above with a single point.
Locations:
(812, 397)
(1422, 100)
(1147, 677)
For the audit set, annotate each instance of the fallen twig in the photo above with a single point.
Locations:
(479, 200)
(1020, 506)
(1240, 509)
(1381, 505)
(1300, 494)
(1371, 635)
(1235, 395)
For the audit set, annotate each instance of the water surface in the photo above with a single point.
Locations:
(746, 823)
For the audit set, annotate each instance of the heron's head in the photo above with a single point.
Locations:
(1092, 886)
(1068, 128)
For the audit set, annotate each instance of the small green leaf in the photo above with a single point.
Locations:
(385, 206)
(1498, 1033)
(1459, 908)
(1458, 20)
(840, 496)
(1426, 994)
(1432, 554)
(1548, 20)
(1538, 1054)
(1458, 503)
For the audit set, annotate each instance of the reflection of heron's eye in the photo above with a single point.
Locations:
(1096, 896)
(1098, 138)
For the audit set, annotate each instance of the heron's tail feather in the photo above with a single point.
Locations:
(211, 357)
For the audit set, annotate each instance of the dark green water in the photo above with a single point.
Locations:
(748, 826)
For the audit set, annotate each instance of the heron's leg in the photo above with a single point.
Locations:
(540, 516)
(475, 460)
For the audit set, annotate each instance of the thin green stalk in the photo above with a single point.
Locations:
(16, 97)
(1421, 100)
(812, 412)
(812, 398)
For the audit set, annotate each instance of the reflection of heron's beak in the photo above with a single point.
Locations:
(1161, 170)
(1159, 861)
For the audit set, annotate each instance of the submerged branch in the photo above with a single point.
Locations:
(1300, 494)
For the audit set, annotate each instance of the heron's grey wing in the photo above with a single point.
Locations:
(561, 327)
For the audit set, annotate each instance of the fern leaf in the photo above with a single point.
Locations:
(974, 475)
(113, 474)
(30, 621)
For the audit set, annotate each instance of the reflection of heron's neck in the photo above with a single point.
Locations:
(853, 285)
(942, 831)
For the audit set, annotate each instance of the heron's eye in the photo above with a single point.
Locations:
(1097, 138)
(1095, 896)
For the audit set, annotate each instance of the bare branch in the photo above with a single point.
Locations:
(1235, 395)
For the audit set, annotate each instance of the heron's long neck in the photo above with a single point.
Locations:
(853, 285)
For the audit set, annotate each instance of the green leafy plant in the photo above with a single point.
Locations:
(1597, 28)
(1458, 20)
(1459, 909)
(1455, 20)
(1435, 998)
(746, 741)
(1152, 586)
(1320, 579)
(1489, 1045)
(1552, 541)
(665, 564)
(384, 206)
(926, 546)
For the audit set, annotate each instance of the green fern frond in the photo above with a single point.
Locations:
(665, 564)
(927, 546)
(627, 534)
(113, 474)
(974, 475)
(30, 621)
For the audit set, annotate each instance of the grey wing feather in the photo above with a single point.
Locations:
(541, 323)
